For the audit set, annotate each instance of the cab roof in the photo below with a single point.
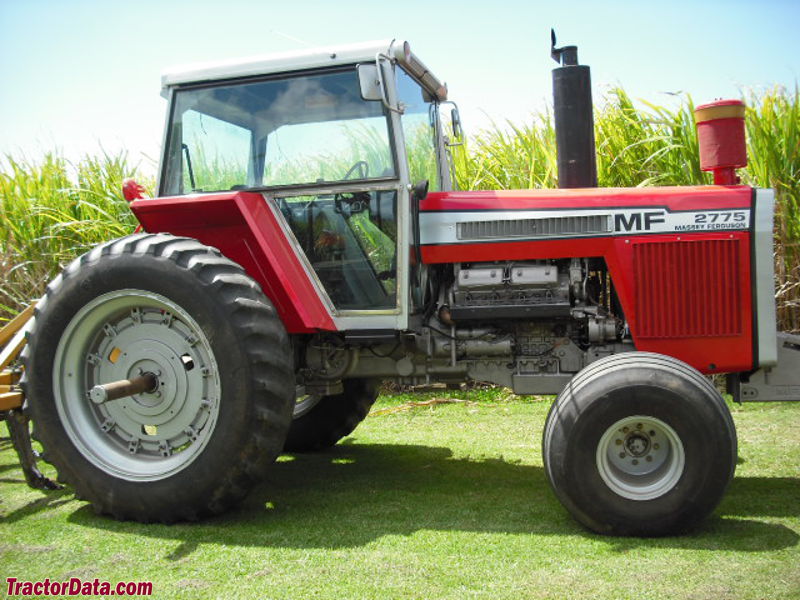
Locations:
(285, 62)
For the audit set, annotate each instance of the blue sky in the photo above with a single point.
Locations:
(79, 74)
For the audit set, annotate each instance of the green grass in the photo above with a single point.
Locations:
(442, 501)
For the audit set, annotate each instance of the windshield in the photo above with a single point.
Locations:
(299, 130)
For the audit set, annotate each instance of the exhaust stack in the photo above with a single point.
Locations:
(574, 118)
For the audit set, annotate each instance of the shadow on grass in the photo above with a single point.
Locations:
(51, 499)
(354, 494)
(762, 496)
(10, 467)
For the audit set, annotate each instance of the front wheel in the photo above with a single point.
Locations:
(639, 444)
(218, 406)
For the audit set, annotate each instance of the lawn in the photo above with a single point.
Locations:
(440, 501)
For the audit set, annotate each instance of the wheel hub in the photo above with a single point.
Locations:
(640, 457)
(123, 335)
(637, 444)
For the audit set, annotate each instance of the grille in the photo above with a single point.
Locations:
(687, 289)
(544, 227)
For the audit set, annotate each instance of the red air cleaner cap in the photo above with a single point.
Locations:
(720, 133)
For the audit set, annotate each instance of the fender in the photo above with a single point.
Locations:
(242, 226)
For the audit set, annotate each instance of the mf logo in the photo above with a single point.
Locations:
(638, 221)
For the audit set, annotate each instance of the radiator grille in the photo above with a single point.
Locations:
(544, 227)
(687, 289)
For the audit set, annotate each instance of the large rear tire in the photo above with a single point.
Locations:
(639, 444)
(193, 445)
(321, 421)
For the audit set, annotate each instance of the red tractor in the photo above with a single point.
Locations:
(306, 243)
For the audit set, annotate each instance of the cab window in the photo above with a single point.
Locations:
(419, 130)
(296, 130)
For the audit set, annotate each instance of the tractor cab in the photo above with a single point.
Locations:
(335, 142)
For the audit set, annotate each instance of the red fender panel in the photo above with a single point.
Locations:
(244, 229)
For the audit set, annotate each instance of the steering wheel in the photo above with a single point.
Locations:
(355, 202)
(362, 166)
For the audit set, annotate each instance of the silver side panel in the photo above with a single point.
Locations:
(478, 226)
(764, 265)
(525, 228)
(780, 383)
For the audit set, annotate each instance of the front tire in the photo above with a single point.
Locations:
(639, 444)
(197, 442)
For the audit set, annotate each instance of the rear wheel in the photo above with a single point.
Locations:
(218, 413)
(639, 444)
(321, 421)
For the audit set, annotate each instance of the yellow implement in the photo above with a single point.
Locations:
(12, 340)
(10, 400)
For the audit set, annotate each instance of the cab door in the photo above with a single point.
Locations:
(349, 238)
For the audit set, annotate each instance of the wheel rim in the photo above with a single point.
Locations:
(640, 457)
(121, 335)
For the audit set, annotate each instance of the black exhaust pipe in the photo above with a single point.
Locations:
(574, 118)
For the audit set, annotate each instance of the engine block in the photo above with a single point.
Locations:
(511, 290)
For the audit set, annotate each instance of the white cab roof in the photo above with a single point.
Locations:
(298, 60)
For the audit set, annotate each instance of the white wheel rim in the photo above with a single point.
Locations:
(640, 457)
(149, 436)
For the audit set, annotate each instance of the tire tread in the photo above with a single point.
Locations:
(251, 313)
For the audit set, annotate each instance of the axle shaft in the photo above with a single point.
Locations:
(115, 390)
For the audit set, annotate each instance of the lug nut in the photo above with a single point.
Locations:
(619, 442)
(652, 433)
(655, 446)
(649, 459)
(622, 455)
(635, 462)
